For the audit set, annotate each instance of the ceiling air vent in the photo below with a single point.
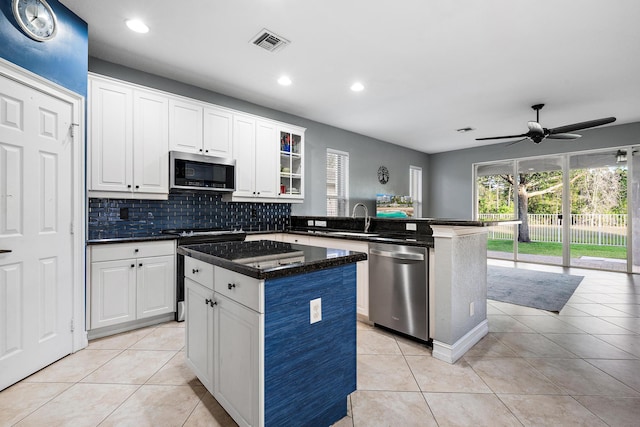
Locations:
(270, 41)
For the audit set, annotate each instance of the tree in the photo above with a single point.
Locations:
(534, 185)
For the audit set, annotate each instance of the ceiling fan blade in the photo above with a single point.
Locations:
(564, 136)
(503, 137)
(581, 125)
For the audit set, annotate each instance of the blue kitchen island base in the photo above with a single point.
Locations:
(310, 369)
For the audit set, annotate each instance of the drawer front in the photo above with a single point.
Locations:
(116, 251)
(239, 288)
(199, 271)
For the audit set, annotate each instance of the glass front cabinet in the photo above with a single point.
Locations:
(291, 163)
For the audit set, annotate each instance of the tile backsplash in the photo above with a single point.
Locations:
(112, 218)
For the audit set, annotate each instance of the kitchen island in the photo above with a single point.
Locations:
(271, 329)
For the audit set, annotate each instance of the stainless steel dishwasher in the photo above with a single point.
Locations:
(398, 293)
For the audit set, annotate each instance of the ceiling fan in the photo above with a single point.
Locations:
(537, 133)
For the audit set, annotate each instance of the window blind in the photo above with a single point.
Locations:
(337, 183)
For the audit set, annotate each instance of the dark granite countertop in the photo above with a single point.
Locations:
(129, 239)
(379, 237)
(242, 257)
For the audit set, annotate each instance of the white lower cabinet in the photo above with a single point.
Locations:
(130, 281)
(199, 331)
(236, 360)
(224, 337)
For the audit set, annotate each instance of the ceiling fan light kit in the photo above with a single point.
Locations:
(537, 133)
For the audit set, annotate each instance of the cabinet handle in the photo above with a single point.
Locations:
(210, 302)
(200, 150)
(231, 285)
(195, 270)
(128, 185)
(140, 265)
(133, 265)
(136, 250)
(137, 186)
(206, 151)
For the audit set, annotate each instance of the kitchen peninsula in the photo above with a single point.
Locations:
(271, 329)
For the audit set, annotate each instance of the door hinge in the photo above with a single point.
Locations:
(71, 231)
(72, 326)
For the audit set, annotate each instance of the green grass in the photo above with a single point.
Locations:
(555, 249)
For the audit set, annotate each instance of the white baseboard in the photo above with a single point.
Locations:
(451, 353)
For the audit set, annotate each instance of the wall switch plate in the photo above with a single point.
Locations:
(315, 310)
(321, 223)
(471, 309)
(310, 223)
(411, 226)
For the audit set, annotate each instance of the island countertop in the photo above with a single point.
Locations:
(265, 259)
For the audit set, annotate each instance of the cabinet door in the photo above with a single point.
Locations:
(218, 126)
(199, 331)
(111, 136)
(113, 292)
(150, 143)
(244, 141)
(185, 126)
(267, 161)
(236, 360)
(156, 286)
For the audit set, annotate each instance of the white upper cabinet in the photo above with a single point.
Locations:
(185, 126)
(128, 146)
(244, 141)
(110, 136)
(150, 143)
(218, 132)
(133, 128)
(200, 128)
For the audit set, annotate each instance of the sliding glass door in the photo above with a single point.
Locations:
(598, 237)
(495, 201)
(580, 209)
(539, 191)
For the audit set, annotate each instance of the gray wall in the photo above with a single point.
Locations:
(451, 173)
(365, 154)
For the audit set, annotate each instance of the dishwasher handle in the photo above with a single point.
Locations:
(398, 255)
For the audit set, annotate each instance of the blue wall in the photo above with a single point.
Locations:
(63, 60)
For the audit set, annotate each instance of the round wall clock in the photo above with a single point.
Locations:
(36, 18)
(383, 175)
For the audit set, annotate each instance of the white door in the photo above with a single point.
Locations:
(36, 213)
(113, 292)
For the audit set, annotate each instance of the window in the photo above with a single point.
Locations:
(415, 189)
(337, 182)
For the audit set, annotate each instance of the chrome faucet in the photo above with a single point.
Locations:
(367, 220)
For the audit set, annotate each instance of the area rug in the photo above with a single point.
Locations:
(537, 289)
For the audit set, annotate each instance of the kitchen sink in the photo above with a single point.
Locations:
(354, 234)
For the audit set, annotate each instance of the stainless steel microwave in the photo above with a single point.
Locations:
(189, 171)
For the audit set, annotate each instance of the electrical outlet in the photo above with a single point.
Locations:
(321, 223)
(471, 309)
(411, 226)
(315, 310)
(310, 223)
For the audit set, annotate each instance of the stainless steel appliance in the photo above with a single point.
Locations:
(190, 237)
(189, 171)
(398, 288)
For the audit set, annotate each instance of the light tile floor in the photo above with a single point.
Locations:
(534, 368)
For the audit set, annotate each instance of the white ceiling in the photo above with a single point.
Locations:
(429, 66)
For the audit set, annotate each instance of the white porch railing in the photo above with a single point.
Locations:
(590, 229)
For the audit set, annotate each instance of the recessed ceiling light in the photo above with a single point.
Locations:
(357, 87)
(284, 81)
(137, 26)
